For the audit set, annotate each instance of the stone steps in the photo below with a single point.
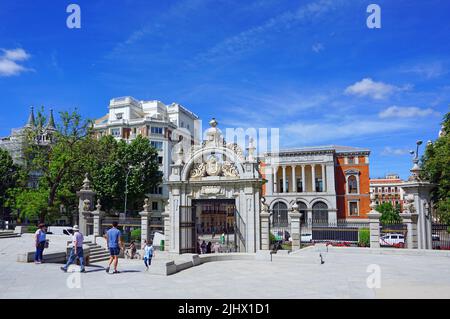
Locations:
(8, 234)
(97, 253)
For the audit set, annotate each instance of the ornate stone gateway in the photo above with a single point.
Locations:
(217, 176)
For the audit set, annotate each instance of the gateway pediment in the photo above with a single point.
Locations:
(214, 167)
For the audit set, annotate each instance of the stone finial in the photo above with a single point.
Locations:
(264, 206)
(98, 206)
(213, 122)
(416, 169)
(373, 205)
(179, 154)
(295, 208)
(86, 182)
(146, 205)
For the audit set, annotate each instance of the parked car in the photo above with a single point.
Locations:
(435, 237)
(396, 240)
(306, 238)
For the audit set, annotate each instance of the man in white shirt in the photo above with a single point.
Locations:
(77, 250)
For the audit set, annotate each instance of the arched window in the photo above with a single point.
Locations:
(280, 215)
(352, 184)
(303, 210)
(320, 212)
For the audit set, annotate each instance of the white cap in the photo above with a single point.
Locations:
(75, 227)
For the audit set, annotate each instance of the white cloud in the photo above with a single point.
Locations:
(389, 151)
(376, 90)
(317, 47)
(16, 54)
(9, 65)
(429, 71)
(404, 112)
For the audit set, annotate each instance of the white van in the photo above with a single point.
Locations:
(59, 230)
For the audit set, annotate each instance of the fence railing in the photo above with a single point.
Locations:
(393, 235)
(440, 236)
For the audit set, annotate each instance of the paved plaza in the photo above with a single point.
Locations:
(343, 275)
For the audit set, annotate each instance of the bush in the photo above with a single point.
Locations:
(32, 229)
(364, 237)
(272, 238)
(136, 235)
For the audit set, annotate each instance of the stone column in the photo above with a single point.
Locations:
(284, 179)
(324, 184)
(166, 218)
(85, 204)
(303, 179)
(410, 219)
(98, 215)
(313, 177)
(294, 181)
(374, 222)
(269, 176)
(295, 216)
(146, 214)
(275, 182)
(265, 225)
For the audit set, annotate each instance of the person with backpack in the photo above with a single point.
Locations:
(77, 250)
(40, 243)
(148, 253)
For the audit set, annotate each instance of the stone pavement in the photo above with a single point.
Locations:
(300, 276)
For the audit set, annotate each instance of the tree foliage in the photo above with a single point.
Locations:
(436, 169)
(9, 175)
(389, 213)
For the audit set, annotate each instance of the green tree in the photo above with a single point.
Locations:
(389, 213)
(55, 163)
(9, 176)
(436, 169)
(110, 175)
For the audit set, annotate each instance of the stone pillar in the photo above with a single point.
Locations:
(324, 184)
(275, 182)
(146, 214)
(303, 179)
(284, 179)
(374, 222)
(411, 225)
(98, 215)
(313, 177)
(265, 225)
(295, 216)
(85, 204)
(269, 176)
(166, 220)
(294, 181)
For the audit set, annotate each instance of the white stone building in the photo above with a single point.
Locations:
(127, 118)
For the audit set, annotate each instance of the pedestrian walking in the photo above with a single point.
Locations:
(203, 247)
(40, 241)
(115, 243)
(208, 248)
(148, 253)
(77, 250)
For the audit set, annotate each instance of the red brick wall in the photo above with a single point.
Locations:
(364, 190)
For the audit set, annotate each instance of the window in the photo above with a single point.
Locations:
(157, 144)
(353, 209)
(303, 209)
(157, 130)
(115, 132)
(351, 160)
(352, 184)
(154, 205)
(160, 159)
(280, 215)
(319, 185)
(119, 116)
(320, 212)
(299, 185)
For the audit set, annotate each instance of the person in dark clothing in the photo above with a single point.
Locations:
(208, 248)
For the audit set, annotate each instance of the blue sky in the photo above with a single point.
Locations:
(310, 68)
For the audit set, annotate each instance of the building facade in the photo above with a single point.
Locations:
(327, 183)
(161, 124)
(388, 190)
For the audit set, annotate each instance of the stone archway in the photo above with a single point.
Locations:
(214, 171)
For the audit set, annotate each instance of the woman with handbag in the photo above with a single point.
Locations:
(40, 242)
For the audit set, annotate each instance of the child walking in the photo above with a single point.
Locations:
(148, 253)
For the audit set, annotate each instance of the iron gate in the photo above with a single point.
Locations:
(188, 233)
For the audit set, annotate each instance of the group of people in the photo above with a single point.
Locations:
(114, 243)
(208, 248)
